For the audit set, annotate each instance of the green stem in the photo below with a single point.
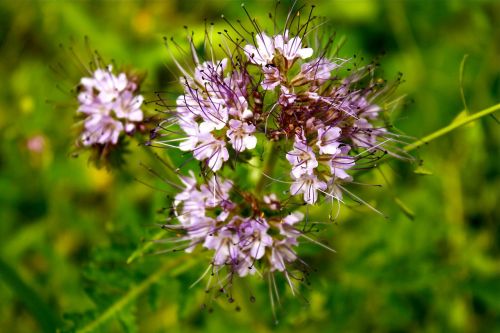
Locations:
(269, 163)
(144, 247)
(136, 291)
(454, 125)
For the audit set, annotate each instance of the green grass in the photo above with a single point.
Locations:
(74, 254)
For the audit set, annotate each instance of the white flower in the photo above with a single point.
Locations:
(286, 98)
(327, 140)
(308, 184)
(281, 253)
(106, 84)
(291, 48)
(317, 70)
(286, 226)
(107, 99)
(240, 135)
(193, 134)
(101, 129)
(272, 77)
(267, 48)
(214, 114)
(241, 110)
(226, 246)
(365, 135)
(128, 107)
(302, 158)
(263, 54)
(207, 70)
(216, 191)
(254, 236)
(211, 149)
(341, 162)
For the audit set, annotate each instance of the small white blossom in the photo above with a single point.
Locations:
(111, 106)
(240, 135)
(302, 158)
(212, 150)
(291, 48)
(308, 184)
(101, 129)
(263, 54)
(327, 140)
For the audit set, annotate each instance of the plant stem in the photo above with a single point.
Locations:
(136, 291)
(454, 125)
(144, 247)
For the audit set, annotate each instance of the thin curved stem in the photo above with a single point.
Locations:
(454, 125)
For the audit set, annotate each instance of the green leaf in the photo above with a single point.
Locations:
(128, 319)
(43, 314)
(421, 170)
(460, 117)
(405, 209)
(173, 267)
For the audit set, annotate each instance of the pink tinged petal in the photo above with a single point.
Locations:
(218, 157)
(85, 97)
(293, 218)
(327, 140)
(252, 54)
(272, 77)
(207, 127)
(317, 70)
(296, 187)
(277, 262)
(101, 129)
(264, 53)
(279, 43)
(121, 82)
(240, 136)
(286, 98)
(302, 158)
(293, 48)
(342, 162)
(245, 268)
(308, 185)
(281, 253)
(258, 249)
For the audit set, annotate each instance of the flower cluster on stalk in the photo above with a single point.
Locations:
(211, 215)
(323, 112)
(110, 105)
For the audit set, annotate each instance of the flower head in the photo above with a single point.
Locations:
(277, 108)
(110, 106)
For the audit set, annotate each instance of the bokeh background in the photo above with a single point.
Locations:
(67, 229)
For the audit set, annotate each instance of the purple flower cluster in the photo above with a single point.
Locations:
(314, 115)
(267, 92)
(209, 217)
(110, 104)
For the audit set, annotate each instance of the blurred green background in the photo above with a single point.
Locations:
(67, 229)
